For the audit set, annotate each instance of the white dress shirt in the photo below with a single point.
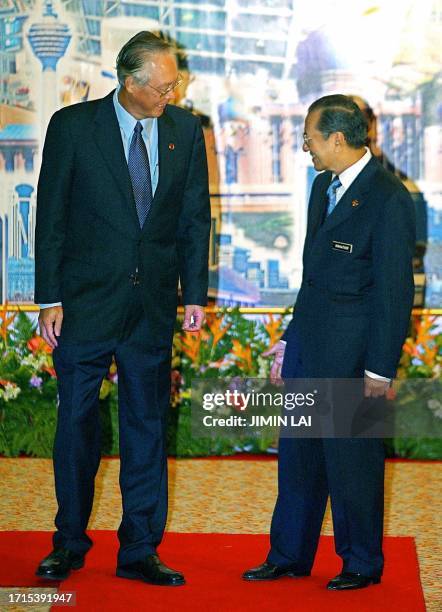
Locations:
(350, 174)
(149, 134)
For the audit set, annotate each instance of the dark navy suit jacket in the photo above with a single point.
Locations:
(353, 308)
(88, 239)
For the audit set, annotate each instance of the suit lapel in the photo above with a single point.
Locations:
(353, 199)
(167, 145)
(318, 204)
(167, 151)
(108, 138)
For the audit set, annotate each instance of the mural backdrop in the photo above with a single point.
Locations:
(250, 68)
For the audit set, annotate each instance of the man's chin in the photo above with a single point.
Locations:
(156, 112)
(317, 165)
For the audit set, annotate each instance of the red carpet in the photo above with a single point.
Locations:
(213, 564)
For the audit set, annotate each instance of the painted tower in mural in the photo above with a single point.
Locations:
(49, 40)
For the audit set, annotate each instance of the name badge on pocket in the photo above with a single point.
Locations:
(342, 246)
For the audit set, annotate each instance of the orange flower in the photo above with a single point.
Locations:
(422, 326)
(273, 328)
(242, 354)
(426, 341)
(50, 371)
(4, 382)
(38, 345)
(424, 346)
(6, 321)
(215, 324)
(410, 348)
(217, 364)
(205, 336)
(190, 344)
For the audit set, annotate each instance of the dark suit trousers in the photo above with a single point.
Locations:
(143, 393)
(351, 471)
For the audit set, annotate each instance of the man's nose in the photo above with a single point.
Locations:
(305, 147)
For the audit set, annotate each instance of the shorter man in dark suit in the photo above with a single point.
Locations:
(122, 213)
(351, 318)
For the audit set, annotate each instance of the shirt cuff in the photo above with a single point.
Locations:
(49, 305)
(377, 376)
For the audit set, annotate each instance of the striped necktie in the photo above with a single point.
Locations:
(331, 194)
(139, 170)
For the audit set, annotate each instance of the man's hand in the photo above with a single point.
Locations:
(374, 387)
(49, 321)
(194, 316)
(277, 351)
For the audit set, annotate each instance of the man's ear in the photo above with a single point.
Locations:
(339, 139)
(129, 84)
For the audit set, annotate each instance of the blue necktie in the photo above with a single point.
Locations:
(331, 194)
(139, 170)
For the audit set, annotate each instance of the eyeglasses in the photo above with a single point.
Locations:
(163, 92)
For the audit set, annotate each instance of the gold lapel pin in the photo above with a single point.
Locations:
(171, 146)
(355, 203)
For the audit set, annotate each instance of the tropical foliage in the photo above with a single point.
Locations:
(421, 359)
(230, 345)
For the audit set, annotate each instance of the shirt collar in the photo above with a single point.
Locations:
(127, 122)
(349, 174)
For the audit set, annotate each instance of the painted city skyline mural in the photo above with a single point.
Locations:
(251, 68)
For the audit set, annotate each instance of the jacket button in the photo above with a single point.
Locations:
(310, 282)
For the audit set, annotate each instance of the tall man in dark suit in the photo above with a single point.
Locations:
(122, 214)
(350, 320)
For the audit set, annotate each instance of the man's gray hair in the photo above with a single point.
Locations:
(134, 54)
(341, 114)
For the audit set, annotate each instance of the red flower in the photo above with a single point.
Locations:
(38, 345)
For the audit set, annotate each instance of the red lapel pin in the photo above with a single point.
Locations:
(171, 146)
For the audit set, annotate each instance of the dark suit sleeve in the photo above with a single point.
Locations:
(194, 226)
(393, 292)
(313, 197)
(52, 209)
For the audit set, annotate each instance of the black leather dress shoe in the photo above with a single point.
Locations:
(151, 570)
(270, 571)
(59, 563)
(350, 580)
